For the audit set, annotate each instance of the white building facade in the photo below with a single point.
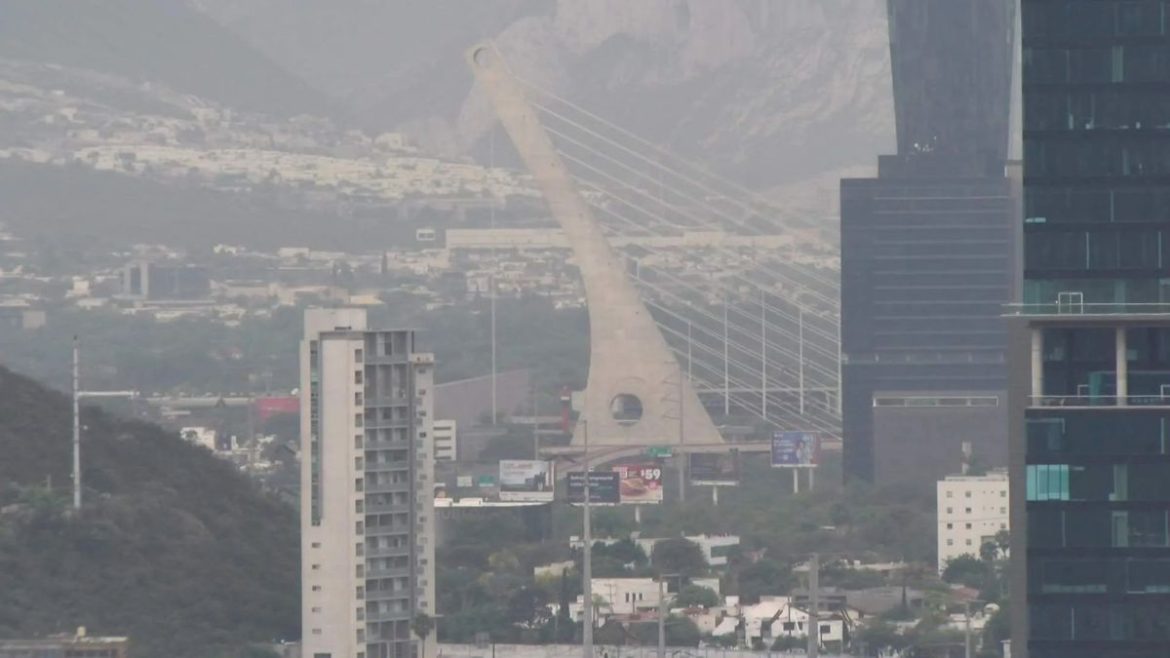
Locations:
(446, 433)
(972, 509)
(367, 519)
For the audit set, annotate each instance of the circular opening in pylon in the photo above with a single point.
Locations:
(626, 408)
(480, 56)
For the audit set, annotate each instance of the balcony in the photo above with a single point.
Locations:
(390, 487)
(1097, 401)
(392, 551)
(1076, 308)
(382, 467)
(386, 423)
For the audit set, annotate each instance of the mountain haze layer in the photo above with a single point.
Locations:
(772, 93)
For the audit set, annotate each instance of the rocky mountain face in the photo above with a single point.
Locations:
(784, 95)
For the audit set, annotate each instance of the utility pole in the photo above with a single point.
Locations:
(967, 633)
(495, 266)
(662, 617)
(586, 558)
(76, 425)
(814, 613)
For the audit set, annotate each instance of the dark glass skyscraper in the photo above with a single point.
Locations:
(927, 253)
(1091, 347)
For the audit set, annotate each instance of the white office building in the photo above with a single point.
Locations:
(972, 509)
(446, 433)
(367, 520)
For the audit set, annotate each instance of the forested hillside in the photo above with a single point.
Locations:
(174, 548)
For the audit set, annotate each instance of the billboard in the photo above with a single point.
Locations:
(271, 406)
(604, 488)
(640, 483)
(714, 469)
(526, 480)
(795, 450)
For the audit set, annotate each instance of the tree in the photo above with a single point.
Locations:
(680, 632)
(1003, 540)
(966, 570)
(764, 577)
(678, 556)
(422, 625)
(879, 636)
(696, 596)
(988, 551)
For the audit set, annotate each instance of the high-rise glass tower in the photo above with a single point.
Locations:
(928, 254)
(1090, 351)
(367, 488)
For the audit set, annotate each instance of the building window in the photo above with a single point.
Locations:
(968, 542)
(950, 526)
(316, 609)
(950, 510)
(359, 506)
(357, 398)
(360, 571)
(357, 464)
(316, 567)
(360, 592)
(968, 526)
(950, 494)
(316, 544)
(361, 635)
(357, 355)
(316, 588)
(967, 494)
(967, 510)
(359, 549)
(317, 631)
(357, 441)
(950, 542)
(357, 420)
(359, 528)
(357, 484)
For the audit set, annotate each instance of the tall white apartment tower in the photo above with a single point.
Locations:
(367, 488)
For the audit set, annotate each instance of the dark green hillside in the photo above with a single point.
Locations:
(160, 41)
(174, 548)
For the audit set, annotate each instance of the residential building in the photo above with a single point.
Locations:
(776, 617)
(927, 253)
(446, 434)
(1091, 341)
(80, 645)
(972, 510)
(367, 520)
(165, 281)
(629, 596)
